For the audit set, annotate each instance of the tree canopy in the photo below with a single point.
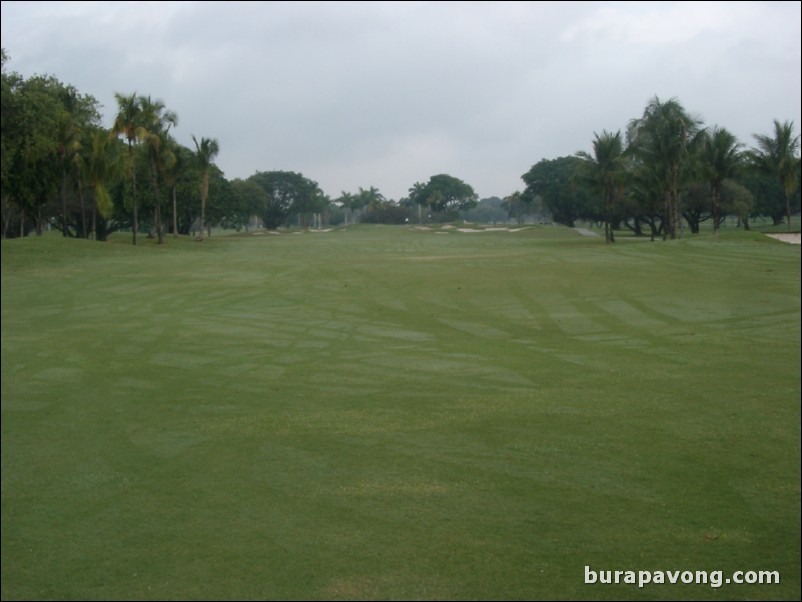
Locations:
(555, 182)
(286, 193)
(446, 194)
(60, 169)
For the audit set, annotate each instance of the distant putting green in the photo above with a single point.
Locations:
(399, 413)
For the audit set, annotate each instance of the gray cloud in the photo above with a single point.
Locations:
(386, 94)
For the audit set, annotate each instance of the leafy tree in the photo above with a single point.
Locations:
(33, 173)
(555, 181)
(207, 149)
(447, 195)
(313, 204)
(661, 139)
(767, 191)
(643, 202)
(42, 124)
(249, 198)
(493, 209)
(285, 191)
(696, 206)
(606, 170)
(386, 211)
(737, 200)
(221, 207)
(516, 206)
(776, 156)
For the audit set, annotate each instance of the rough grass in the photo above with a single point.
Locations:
(389, 413)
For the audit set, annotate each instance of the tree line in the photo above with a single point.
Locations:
(61, 169)
(667, 171)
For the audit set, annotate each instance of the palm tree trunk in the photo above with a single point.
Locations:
(135, 224)
(159, 226)
(6, 223)
(39, 221)
(787, 205)
(83, 207)
(672, 217)
(204, 192)
(157, 211)
(64, 199)
(716, 196)
(175, 215)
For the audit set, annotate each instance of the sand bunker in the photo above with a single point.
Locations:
(793, 238)
(471, 230)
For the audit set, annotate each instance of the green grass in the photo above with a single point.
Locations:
(390, 413)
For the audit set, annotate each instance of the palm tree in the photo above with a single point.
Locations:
(346, 200)
(207, 150)
(101, 165)
(128, 124)
(171, 171)
(721, 158)
(606, 169)
(416, 194)
(157, 122)
(370, 198)
(777, 157)
(661, 139)
(68, 140)
(79, 164)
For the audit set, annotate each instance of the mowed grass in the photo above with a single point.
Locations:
(394, 413)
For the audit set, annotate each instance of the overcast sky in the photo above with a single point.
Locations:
(386, 94)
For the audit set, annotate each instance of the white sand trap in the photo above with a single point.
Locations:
(494, 229)
(585, 232)
(792, 238)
